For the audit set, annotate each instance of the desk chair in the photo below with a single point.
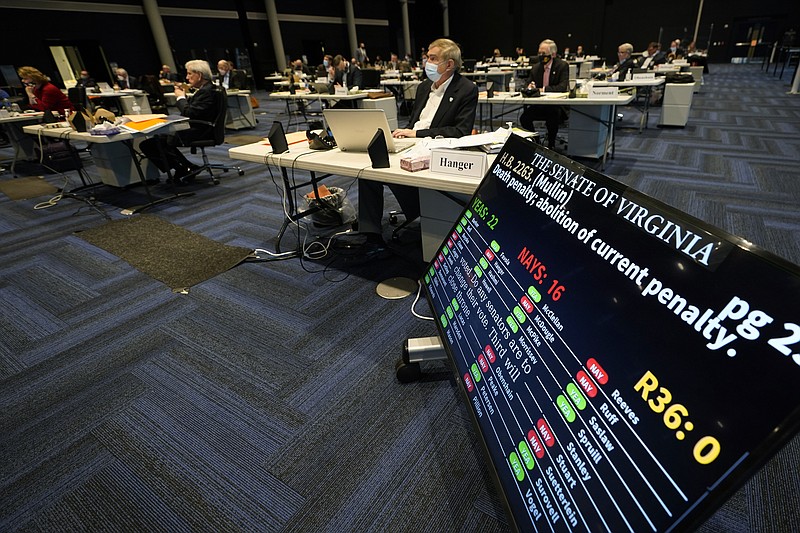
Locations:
(399, 226)
(79, 99)
(216, 138)
(155, 93)
(371, 78)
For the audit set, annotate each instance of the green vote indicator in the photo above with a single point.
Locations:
(445, 250)
(463, 221)
(577, 397)
(516, 466)
(525, 453)
(468, 213)
(519, 314)
(460, 228)
(512, 324)
(427, 279)
(456, 307)
(484, 263)
(535, 295)
(476, 372)
(443, 320)
(432, 271)
(494, 246)
(478, 271)
(450, 313)
(566, 408)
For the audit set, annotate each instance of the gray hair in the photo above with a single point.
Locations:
(551, 44)
(199, 66)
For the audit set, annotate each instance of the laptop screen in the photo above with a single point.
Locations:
(353, 129)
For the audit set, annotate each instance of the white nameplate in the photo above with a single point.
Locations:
(340, 91)
(458, 162)
(644, 76)
(603, 92)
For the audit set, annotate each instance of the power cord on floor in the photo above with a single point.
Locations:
(413, 305)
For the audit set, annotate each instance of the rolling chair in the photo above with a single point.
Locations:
(371, 78)
(216, 137)
(79, 99)
(155, 93)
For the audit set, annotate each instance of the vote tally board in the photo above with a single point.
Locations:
(628, 366)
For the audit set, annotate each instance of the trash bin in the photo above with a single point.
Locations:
(336, 207)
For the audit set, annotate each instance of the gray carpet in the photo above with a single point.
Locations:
(265, 399)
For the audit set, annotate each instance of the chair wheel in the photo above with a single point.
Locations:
(241, 172)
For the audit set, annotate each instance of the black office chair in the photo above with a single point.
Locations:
(215, 138)
(79, 99)
(371, 78)
(155, 93)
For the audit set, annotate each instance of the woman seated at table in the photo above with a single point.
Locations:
(42, 95)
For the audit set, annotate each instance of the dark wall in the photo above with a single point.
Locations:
(600, 26)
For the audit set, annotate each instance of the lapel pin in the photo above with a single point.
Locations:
(451, 98)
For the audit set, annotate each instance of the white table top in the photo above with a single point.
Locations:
(231, 92)
(72, 135)
(23, 117)
(557, 99)
(490, 72)
(115, 94)
(632, 83)
(353, 164)
(285, 95)
(401, 83)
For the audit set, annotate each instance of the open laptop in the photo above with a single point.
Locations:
(353, 129)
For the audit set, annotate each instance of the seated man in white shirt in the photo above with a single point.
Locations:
(445, 106)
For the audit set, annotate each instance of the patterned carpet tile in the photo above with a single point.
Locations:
(265, 399)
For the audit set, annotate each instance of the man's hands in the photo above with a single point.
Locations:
(401, 133)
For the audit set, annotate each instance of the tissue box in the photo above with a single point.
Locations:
(413, 164)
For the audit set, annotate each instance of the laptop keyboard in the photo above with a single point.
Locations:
(399, 146)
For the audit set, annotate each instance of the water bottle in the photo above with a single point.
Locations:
(136, 108)
(6, 104)
(512, 85)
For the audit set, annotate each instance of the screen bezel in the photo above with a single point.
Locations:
(705, 507)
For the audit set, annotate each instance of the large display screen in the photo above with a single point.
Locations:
(627, 366)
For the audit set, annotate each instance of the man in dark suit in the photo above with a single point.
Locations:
(85, 80)
(229, 77)
(393, 63)
(202, 106)
(624, 64)
(655, 56)
(445, 105)
(166, 75)
(548, 74)
(345, 74)
(125, 81)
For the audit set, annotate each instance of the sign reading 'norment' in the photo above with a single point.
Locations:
(627, 365)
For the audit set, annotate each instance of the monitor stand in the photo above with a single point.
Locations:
(416, 351)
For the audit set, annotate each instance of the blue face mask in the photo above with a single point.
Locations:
(432, 71)
(325, 63)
